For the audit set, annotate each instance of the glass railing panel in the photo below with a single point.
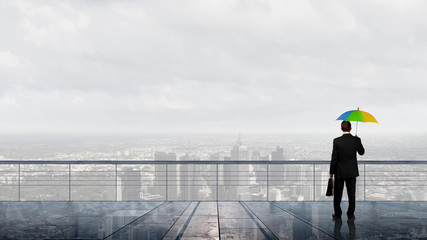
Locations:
(44, 182)
(192, 182)
(242, 182)
(141, 182)
(93, 182)
(170, 181)
(396, 182)
(291, 182)
(9, 182)
(322, 176)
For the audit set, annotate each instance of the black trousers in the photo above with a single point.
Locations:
(350, 184)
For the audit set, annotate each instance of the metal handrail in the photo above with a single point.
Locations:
(409, 162)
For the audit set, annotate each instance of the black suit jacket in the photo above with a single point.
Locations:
(344, 159)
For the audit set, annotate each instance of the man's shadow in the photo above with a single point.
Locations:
(351, 230)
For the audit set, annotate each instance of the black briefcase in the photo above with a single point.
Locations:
(330, 190)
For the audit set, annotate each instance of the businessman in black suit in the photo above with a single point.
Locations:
(344, 167)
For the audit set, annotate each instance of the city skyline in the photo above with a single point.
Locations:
(202, 147)
(211, 119)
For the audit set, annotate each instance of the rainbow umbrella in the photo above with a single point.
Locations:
(357, 116)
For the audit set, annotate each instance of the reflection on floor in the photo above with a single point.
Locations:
(209, 220)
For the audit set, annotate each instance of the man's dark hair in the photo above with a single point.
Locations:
(346, 126)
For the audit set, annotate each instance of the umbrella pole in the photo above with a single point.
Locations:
(357, 123)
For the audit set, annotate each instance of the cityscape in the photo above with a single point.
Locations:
(203, 147)
(212, 119)
(290, 181)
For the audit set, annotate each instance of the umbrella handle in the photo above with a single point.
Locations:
(357, 123)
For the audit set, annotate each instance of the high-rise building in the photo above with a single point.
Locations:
(218, 156)
(277, 155)
(235, 152)
(256, 155)
(189, 157)
(130, 184)
(188, 178)
(279, 173)
(239, 152)
(161, 156)
(161, 171)
(236, 178)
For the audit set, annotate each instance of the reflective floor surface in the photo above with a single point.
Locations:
(209, 220)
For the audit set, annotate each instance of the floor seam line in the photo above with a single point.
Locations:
(176, 220)
(219, 227)
(261, 220)
(256, 223)
(134, 220)
(303, 220)
(187, 222)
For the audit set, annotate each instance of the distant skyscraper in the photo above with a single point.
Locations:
(278, 173)
(161, 172)
(218, 156)
(130, 184)
(188, 157)
(239, 152)
(235, 152)
(256, 155)
(161, 156)
(278, 154)
(187, 178)
(236, 177)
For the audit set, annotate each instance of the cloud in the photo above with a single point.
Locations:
(211, 65)
(8, 60)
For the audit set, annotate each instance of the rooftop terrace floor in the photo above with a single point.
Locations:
(209, 220)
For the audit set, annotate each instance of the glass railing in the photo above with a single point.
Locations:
(203, 181)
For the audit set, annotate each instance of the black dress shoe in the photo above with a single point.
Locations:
(351, 219)
(335, 217)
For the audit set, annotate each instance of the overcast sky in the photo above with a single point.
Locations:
(211, 66)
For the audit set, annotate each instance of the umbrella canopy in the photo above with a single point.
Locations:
(357, 116)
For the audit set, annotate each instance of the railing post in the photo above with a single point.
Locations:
(69, 182)
(167, 180)
(217, 182)
(314, 182)
(364, 182)
(116, 183)
(268, 182)
(19, 182)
